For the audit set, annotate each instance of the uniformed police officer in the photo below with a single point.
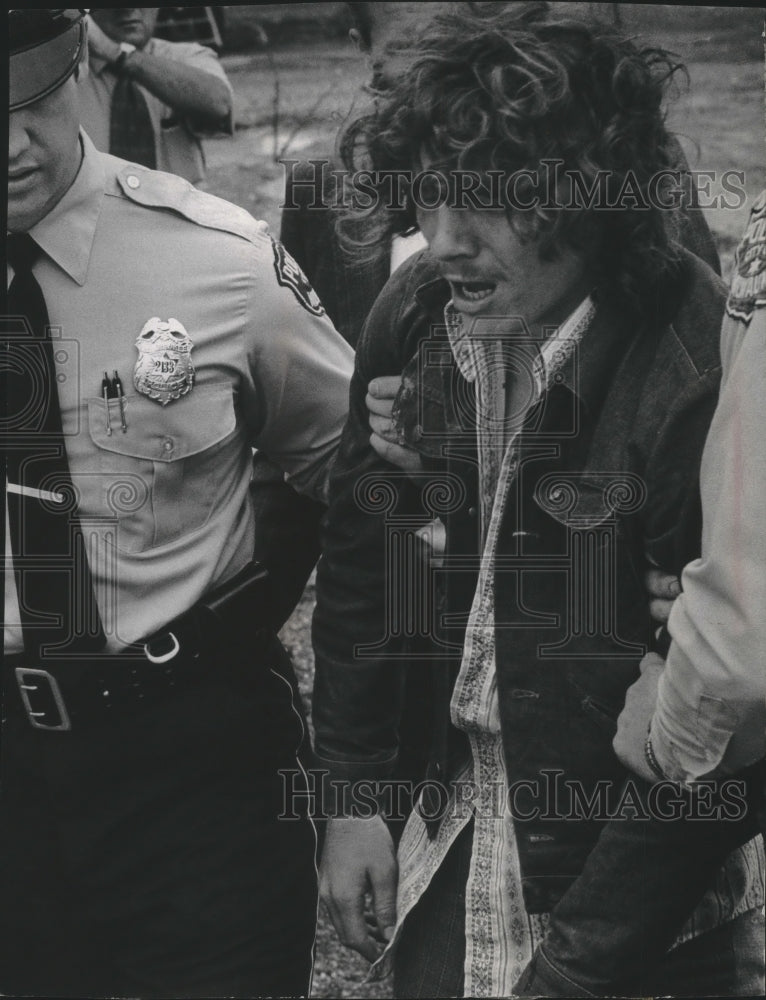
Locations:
(154, 335)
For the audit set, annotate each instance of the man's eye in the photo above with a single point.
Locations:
(429, 190)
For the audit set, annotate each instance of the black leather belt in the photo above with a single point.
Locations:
(57, 696)
(205, 642)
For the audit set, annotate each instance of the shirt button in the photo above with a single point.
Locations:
(167, 445)
(132, 181)
(472, 512)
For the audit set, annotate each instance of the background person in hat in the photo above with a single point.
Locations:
(150, 100)
(154, 335)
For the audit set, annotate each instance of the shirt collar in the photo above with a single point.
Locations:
(588, 371)
(98, 66)
(66, 233)
(557, 349)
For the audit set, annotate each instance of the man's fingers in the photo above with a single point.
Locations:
(385, 386)
(381, 407)
(662, 585)
(396, 454)
(659, 609)
(372, 928)
(358, 854)
(383, 884)
(383, 428)
(349, 920)
(352, 927)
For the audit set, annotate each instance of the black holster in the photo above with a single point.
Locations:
(238, 611)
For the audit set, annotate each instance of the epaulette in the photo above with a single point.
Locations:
(157, 189)
(748, 284)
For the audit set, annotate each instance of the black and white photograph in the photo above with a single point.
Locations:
(383, 414)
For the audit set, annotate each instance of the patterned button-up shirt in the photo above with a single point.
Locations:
(510, 373)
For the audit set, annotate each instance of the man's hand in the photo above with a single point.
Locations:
(381, 393)
(100, 44)
(634, 720)
(358, 858)
(187, 89)
(663, 589)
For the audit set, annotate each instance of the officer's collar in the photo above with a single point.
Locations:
(66, 233)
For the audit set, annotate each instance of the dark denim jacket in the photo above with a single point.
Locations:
(608, 463)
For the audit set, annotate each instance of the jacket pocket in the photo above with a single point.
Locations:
(159, 478)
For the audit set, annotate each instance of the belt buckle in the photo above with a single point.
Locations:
(37, 717)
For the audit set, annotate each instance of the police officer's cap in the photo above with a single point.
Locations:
(45, 48)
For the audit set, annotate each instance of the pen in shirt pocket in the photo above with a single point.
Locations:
(112, 389)
(107, 393)
(117, 384)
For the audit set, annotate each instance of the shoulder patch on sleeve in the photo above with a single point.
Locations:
(748, 284)
(157, 189)
(289, 275)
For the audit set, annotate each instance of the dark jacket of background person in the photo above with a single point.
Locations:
(347, 285)
(643, 405)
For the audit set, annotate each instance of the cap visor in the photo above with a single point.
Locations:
(38, 71)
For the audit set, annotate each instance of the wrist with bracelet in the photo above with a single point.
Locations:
(651, 759)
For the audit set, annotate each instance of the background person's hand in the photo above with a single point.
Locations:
(636, 716)
(358, 858)
(663, 588)
(381, 393)
(100, 44)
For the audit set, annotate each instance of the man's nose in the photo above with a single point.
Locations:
(449, 233)
(18, 136)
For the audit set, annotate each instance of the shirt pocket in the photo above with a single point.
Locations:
(160, 479)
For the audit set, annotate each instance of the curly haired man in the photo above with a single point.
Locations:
(564, 372)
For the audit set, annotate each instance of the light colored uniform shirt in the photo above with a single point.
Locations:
(500, 935)
(711, 707)
(165, 506)
(177, 137)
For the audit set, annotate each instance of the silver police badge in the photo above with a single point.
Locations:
(164, 370)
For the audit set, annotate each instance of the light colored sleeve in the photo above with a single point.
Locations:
(711, 708)
(300, 368)
(203, 58)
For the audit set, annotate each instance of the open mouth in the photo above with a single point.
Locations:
(473, 291)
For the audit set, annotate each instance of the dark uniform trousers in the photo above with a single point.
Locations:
(144, 855)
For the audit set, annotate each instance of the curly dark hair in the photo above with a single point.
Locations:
(507, 87)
